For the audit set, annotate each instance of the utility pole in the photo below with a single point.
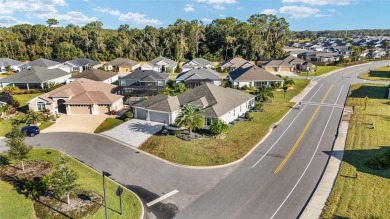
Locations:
(104, 193)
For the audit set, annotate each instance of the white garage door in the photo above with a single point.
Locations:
(141, 113)
(159, 117)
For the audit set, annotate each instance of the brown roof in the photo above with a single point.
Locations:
(84, 91)
(253, 73)
(122, 62)
(96, 75)
(235, 62)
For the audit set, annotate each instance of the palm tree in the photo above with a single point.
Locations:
(264, 93)
(33, 116)
(168, 91)
(288, 81)
(181, 88)
(192, 117)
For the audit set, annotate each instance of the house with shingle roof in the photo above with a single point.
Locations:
(226, 104)
(197, 63)
(96, 75)
(253, 76)
(35, 78)
(160, 64)
(82, 96)
(122, 65)
(286, 64)
(234, 63)
(44, 63)
(199, 76)
(15, 65)
(82, 64)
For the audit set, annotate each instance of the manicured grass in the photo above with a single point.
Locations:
(321, 70)
(88, 179)
(13, 204)
(368, 196)
(23, 98)
(379, 74)
(241, 138)
(108, 124)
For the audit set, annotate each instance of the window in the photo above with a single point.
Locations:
(159, 83)
(123, 83)
(209, 121)
(234, 112)
(240, 108)
(41, 106)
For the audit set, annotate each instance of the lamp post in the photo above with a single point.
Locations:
(104, 192)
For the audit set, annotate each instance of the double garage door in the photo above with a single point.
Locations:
(80, 109)
(153, 116)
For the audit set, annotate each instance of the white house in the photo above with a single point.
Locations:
(96, 75)
(253, 76)
(197, 63)
(15, 65)
(199, 76)
(122, 65)
(217, 102)
(160, 64)
(81, 64)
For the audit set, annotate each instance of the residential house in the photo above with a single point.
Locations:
(96, 75)
(82, 64)
(35, 78)
(160, 64)
(287, 64)
(82, 96)
(376, 53)
(45, 63)
(253, 76)
(142, 81)
(198, 76)
(217, 102)
(122, 65)
(197, 63)
(15, 65)
(234, 63)
(319, 57)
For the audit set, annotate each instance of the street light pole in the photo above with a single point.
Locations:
(104, 193)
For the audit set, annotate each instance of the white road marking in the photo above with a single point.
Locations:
(162, 198)
(315, 152)
(266, 153)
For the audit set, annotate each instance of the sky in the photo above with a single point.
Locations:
(300, 14)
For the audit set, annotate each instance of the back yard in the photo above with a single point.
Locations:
(241, 138)
(368, 195)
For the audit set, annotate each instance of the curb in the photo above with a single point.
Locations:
(336, 71)
(139, 199)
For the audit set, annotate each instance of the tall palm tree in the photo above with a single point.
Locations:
(264, 93)
(33, 116)
(192, 117)
(288, 81)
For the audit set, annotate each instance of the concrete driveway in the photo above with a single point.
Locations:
(76, 123)
(134, 132)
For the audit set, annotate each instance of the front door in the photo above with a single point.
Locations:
(61, 106)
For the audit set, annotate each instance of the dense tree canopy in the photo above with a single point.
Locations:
(260, 36)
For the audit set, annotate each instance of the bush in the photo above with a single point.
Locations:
(113, 112)
(127, 116)
(379, 162)
(218, 126)
(108, 124)
(245, 87)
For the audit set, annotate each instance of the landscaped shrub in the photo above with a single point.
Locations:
(380, 162)
(218, 126)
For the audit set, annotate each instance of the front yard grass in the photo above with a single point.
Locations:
(14, 205)
(379, 74)
(108, 124)
(241, 138)
(321, 70)
(368, 195)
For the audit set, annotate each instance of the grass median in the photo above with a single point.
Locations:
(320, 71)
(365, 195)
(88, 179)
(379, 74)
(241, 138)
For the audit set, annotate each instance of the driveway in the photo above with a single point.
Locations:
(134, 132)
(76, 123)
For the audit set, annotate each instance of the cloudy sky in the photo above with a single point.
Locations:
(301, 14)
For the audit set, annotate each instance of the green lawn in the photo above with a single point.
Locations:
(241, 138)
(89, 179)
(379, 74)
(368, 196)
(108, 124)
(6, 125)
(321, 70)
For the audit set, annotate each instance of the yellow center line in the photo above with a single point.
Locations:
(303, 132)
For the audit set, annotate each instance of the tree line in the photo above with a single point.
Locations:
(260, 36)
(296, 35)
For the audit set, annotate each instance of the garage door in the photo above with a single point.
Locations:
(141, 113)
(159, 117)
(103, 109)
(80, 109)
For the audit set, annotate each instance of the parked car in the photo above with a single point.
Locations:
(31, 130)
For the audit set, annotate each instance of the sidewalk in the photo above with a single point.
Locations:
(320, 196)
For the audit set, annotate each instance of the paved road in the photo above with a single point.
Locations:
(250, 189)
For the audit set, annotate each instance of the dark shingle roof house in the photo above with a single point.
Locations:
(83, 62)
(197, 63)
(199, 74)
(46, 63)
(4, 62)
(253, 74)
(122, 62)
(97, 75)
(144, 77)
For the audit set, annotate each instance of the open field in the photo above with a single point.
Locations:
(88, 179)
(241, 138)
(368, 196)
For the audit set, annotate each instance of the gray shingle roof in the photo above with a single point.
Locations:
(83, 61)
(141, 74)
(201, 73)
(197, 62)
(122, 62)
(160, 58)
(95, 74)
(35, 75)
(4, 62)
(215, 100)
(253, 73)
(43, 63)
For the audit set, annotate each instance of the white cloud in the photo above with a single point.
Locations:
(240, 8)
(74, 17)
(301, 11)
(332, 10)
(130, 16)
(268, 11)
(189, 8)
(8, 21)
(207, 20)
(219, 7)
(321, 2)
(222, 15)
(219, 2)
(31, 7)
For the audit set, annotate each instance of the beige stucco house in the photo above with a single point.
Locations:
(82, 96)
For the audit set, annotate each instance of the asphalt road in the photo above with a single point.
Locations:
(274, 181)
